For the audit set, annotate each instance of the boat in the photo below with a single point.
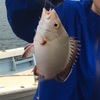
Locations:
(16, 80)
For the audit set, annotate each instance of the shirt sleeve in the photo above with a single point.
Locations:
(23, 16)
(54, 90)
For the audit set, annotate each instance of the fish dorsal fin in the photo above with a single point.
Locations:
(73, 53)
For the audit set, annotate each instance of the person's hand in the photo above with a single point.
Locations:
(49, 3)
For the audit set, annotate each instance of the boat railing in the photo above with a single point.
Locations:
(11, 60)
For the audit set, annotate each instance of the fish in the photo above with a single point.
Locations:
(54, 51)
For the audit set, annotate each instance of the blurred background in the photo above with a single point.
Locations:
(8, 39)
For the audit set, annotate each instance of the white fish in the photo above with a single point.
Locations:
(54, 50)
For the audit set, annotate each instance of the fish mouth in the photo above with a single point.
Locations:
(47, 13)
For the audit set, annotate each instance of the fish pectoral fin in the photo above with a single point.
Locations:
(29, 50)
(42, 40)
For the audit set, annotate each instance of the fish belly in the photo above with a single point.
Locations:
(51, 58)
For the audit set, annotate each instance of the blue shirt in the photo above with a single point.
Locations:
(79, 21)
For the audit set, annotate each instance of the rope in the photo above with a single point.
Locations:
(16, 75)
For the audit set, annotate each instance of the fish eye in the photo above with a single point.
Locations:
(56, 25)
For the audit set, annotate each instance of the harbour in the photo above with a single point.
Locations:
(8, 40)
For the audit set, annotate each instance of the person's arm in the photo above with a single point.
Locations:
(23, 16)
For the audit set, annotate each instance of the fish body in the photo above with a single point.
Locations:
(54, 50)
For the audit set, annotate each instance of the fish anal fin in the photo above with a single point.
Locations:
(29, 50)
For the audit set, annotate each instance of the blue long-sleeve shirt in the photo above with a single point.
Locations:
(79, 21)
